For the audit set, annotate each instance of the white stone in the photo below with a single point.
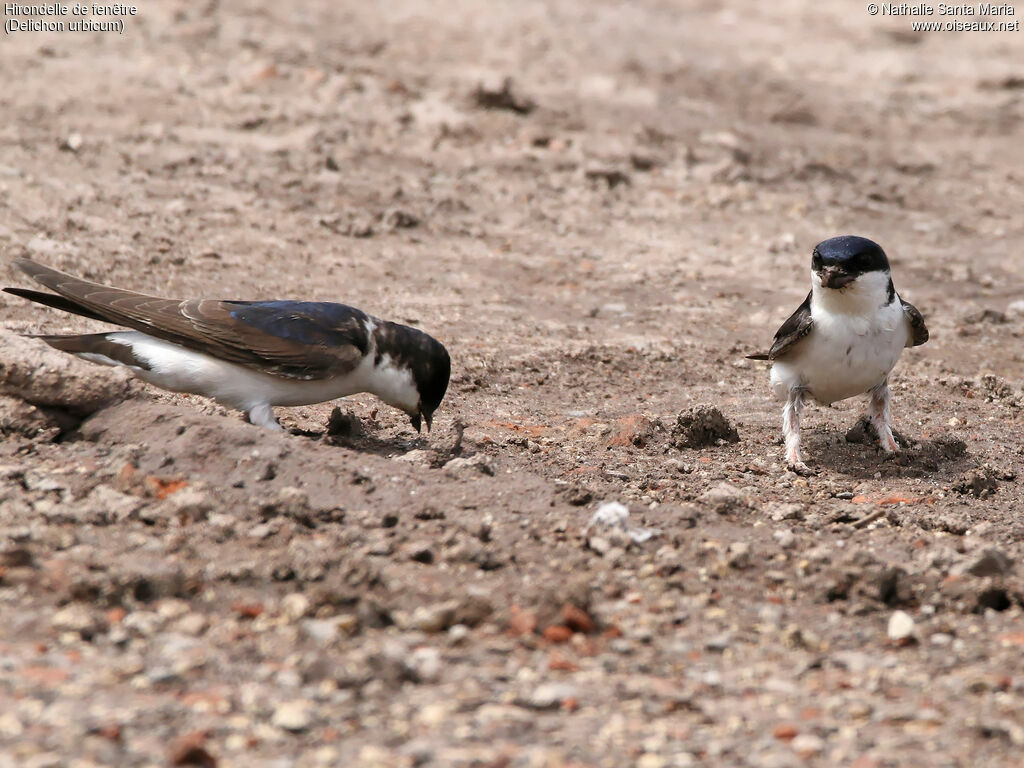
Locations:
(612, 517)
(550, 695)
(901, 626)
(434, 618)
(785, 538)
(76, 618)
(293, 715)
(426, 663)
(295, 606)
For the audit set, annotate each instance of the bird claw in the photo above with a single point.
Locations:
(800, 468)
(887, 443)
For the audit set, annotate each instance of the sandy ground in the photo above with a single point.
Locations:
(598, 245)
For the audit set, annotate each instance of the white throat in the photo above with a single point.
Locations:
(863, 296)
(393, 384)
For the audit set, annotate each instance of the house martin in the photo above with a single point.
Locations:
(843, 340)
(250, 355)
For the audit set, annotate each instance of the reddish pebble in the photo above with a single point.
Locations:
(49, 676)
(577, 619)
(116, 615)
(162, 487)
(126, 474)
(112, 731)
(557, 633)
(632, 430)
(189, 750)
(560, 664)
(247, 610)
(785, 732)
(521, 622)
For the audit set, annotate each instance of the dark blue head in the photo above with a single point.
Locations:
(431, 373)
(839, 261)
(425, 358)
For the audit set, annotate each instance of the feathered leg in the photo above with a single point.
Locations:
(791, 430)
(263, 416)
(878, 413)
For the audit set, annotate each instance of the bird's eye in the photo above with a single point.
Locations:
(816, 260)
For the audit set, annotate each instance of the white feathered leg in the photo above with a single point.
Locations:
(263, 415)
(791, 430)
(878, 413)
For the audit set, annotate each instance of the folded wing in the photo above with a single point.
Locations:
(918, 330)
(792, 331)
(295, 339)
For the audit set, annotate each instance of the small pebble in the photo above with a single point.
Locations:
(901, 626)
(293, 716)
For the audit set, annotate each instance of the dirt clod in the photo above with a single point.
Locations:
(503, 97)
(725, 499)
(344, 424)
(702, 426)
(38, 374)
(863, 433)
(190, 750)
(981, 483)
(991, 562)
(635, 430)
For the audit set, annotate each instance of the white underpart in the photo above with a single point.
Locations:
(184, 370)
(855, 340)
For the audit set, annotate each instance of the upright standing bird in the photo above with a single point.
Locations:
(844, 339)
(250, 355)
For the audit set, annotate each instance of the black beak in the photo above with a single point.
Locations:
(835, 277)
(415, 419)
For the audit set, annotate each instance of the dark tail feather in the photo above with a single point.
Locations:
(55, 301)
(758, 357)
(95, 344)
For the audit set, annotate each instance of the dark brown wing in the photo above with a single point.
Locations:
(305, 340)
(795, 328)
(918, 330)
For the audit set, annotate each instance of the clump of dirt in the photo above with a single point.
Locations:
(701, 426)
(360, 224)
(38, 374)
(503, 97)
(575, 495)
(980, 483)
(344, 424)
(863, 433)
(19, 417)
(995, 388)
(636, 430)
